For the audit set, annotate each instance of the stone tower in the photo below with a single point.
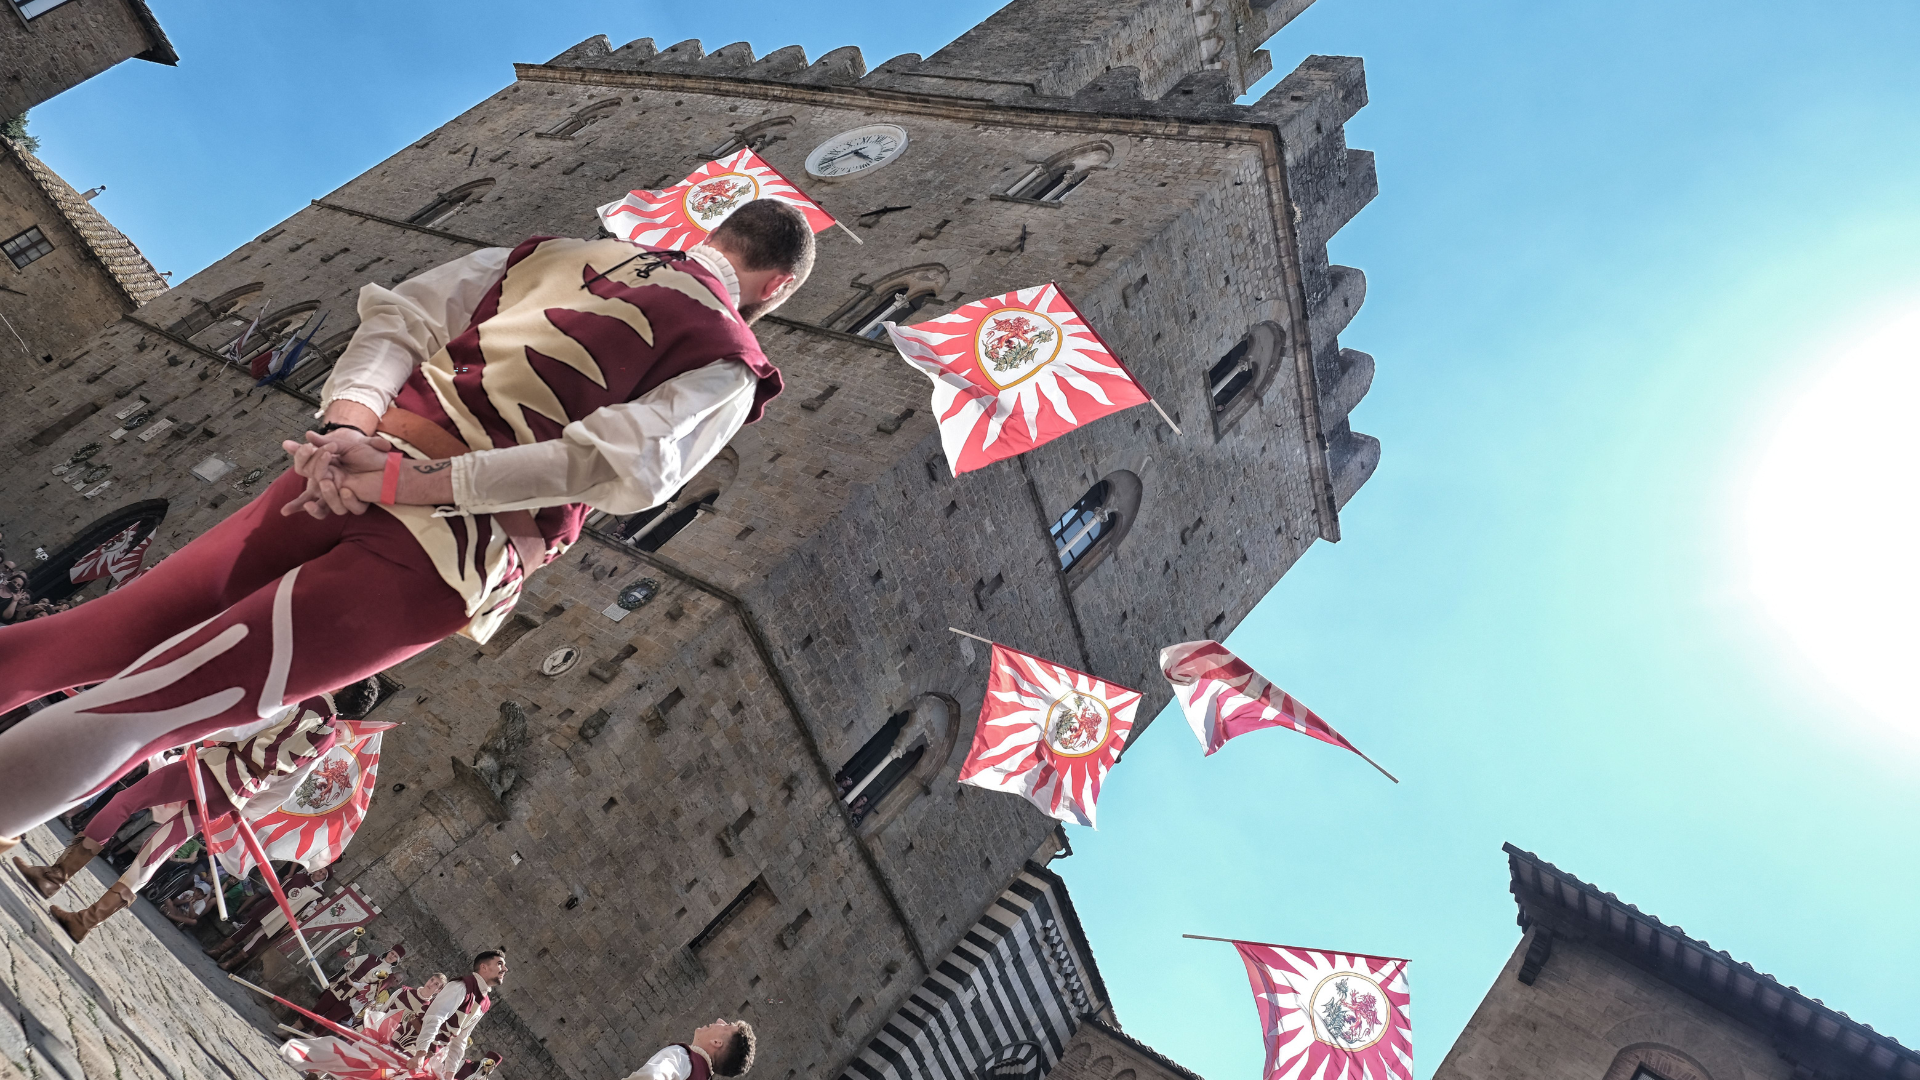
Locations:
(638, 786)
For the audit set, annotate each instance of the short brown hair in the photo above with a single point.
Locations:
(737, 1056)
(768, 234)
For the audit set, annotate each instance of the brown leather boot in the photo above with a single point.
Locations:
(80, 923)
(48, 880)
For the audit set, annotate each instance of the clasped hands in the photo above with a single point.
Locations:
(344, 469)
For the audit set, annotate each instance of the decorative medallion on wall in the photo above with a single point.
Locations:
(560, 660)
(632, 598)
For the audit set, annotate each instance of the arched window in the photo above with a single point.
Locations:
(756, 137)
(450, 203)
(583, 118)
(1094, 525)
(649, 529)
(233, 310)
(1019, 1061)
(274, 331)
(1056, 178)
(895, 299)
(898, 763)
(314, 368)
(895, 306)
(1240, 377)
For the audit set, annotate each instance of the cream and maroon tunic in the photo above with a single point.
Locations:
(588, 374)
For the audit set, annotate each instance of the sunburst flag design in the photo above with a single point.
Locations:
(681, 216)
(1013, 372)
(1048, 733)
(116, 558)
(321, 810)
(1223, 696)
(347, 1059)
(1331, 1016)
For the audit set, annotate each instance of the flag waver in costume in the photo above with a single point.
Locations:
(1013, 372)
(1331, 1016)
(681, 216)
(1048, 733)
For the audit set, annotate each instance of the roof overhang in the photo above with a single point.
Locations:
(1823, 1042)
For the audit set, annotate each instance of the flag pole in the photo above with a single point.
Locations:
(206, 826)
(1305, 948)
(1372, 762)
(279, 895)
(1163, 415)
(350, 1035)
(849, 232)
(975, 637)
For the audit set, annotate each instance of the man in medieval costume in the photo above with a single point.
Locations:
(724, 1048)
(263, 920)
(484, 407)
(231, 774)
(434, 1040)
(337, 1002)
(402, 1007)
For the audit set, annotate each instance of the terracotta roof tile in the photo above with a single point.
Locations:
(129, 269)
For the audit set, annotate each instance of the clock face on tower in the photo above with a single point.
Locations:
(860, 150)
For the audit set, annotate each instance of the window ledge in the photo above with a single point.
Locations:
(1050, 204)
(551, 135)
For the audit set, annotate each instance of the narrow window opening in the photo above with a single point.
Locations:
(880, 764)
(1229, 378)
(756, 894)
(1083, 526)
(450, 203)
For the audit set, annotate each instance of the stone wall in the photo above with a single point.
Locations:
(58, 301)
(70, 43)
(1100, 1051)
(1590, 1014)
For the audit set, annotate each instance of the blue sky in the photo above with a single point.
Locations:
(1615, 243)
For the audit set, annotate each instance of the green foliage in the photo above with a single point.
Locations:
(15, 129)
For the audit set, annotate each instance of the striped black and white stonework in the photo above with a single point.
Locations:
(1005, 1000)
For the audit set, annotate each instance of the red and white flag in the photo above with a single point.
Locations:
(681, 216)
(342, 912)
(116, 558)
(1048, 733)
(1223, 696)
(1331, 1016)
(321, 808)
(1013, 372)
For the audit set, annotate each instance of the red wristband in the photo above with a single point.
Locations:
(390, 480)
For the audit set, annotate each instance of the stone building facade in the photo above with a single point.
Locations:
(1598, 988)
(65, 271)
(47, 46)
(645, 803)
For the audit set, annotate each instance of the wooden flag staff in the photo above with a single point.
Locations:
(279, 895)
(348, 1034)
(1304, 948)
(849, 232)
(206, 827)
(975, 637)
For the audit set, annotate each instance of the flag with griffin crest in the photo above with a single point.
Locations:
(1331, 1016)
(1013, 372)
(681, 216)
(310, 816)
(1048, 733)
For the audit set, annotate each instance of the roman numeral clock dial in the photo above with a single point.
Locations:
(861, 150)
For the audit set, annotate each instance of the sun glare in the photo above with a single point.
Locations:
(1833, 520)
